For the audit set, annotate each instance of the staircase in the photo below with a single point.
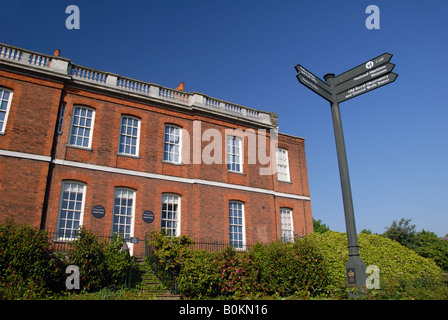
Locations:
(151, 284)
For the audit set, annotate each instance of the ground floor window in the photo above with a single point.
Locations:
(286, 225)
(171, 214)
(124, 202)
(236, 224)
(71, 208)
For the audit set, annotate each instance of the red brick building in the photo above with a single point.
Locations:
(80, 146)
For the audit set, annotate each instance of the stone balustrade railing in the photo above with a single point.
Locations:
(90, 76)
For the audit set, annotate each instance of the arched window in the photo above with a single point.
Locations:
(237, 225)
(286, 225)
(71, 210)
(170, 221)
(123, 213)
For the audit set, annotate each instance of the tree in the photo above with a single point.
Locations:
(403, 232)
(430, 246)
(319, 226)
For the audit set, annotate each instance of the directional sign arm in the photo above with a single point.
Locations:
(312, 86)
(366, 66)
(365, 77)
(366, 87)
(302, 71)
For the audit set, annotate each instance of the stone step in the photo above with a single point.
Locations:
(169, 297)
(151, 283)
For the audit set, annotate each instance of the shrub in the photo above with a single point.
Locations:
(100, 264)
(289, 268)
(200, 275)
(430, 246)
(282, 269)
(397, 264)
(28, 266)
(168, 254)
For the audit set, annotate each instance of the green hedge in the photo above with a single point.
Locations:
(403, 273)
(311, 267)
(282, 269)
(394, 260)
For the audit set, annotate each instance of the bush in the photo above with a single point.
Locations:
(430, 246)
(168, 254)
(29, 268)
(100, 264)
(290, 268)
(281, 269)
(398, 265)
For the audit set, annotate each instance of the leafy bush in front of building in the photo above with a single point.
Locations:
(29, 268)
(168, 255)
(101, 264)
(283, 269)
(225, 273)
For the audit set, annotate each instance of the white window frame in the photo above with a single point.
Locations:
(168, 143)
(239, 244)
(234, 158)
(8, 106)
(119, 218)
(286, 225)
(72, 126)
(165, 220)
(282, 160)
(70, 206)
(130, 136)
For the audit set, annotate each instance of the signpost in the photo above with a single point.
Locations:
(366, 77)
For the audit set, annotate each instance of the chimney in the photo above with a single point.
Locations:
(57, 53)
(181, 86)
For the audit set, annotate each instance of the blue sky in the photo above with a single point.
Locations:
(245, 52)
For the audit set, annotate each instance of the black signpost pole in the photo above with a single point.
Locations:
(355, 267)
(366, 77)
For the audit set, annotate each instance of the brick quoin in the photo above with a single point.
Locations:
(36, 158)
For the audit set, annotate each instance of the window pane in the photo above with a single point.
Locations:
(233, 154)
(81, 126)
(236, 223)
(123, 212)
(171, 147)
(71, 207)
(286, 225)
(170, 214)
(128, 135)
(5, 102)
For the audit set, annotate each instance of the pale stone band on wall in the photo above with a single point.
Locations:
(95, 167)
